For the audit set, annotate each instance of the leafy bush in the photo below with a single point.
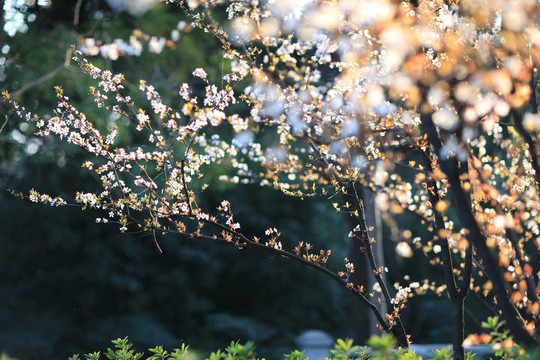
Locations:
(380, 348)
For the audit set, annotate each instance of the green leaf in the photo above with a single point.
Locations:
(442, 354)
(93, 356)
(384, 342)
(295, 355)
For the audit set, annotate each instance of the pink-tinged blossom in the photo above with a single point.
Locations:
(89, 199)
(139, 181)
(172, 124)
(57, 126)
(184, 207)
(401, 295)
(275, 244)
(219, 99)
(232, 224)
(271, 231)
(225, 205)
(215, 116)
(36, 197)
(202, 216)
(238, 123)
(111, 136)
(200, 73)
(240, 67)
(185, 92)
(159, 108)
(143, 120)
(75, 138)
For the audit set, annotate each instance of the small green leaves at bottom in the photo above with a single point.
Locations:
(93, 356)
(384, 342)
(295, 355)
(442, 354)
(122, 351)
(158, 352)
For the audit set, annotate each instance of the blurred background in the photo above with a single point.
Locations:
(69, 285)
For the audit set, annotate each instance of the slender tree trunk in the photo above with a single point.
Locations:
(361, 316)
(373, 221)
(458, 324)
(456, 294)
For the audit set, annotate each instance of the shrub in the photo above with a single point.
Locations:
(380, 348)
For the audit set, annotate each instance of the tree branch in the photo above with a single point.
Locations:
(45, 77)
(352, 194)
(531, 142)
(449, 167)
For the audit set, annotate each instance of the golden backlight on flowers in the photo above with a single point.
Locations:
(431, 107)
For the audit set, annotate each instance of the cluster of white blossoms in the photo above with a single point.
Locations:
(89, 199)
(274, 244)
(36, 197)
(200, 73)
(271, 231)
(402, 294)
(137, 43)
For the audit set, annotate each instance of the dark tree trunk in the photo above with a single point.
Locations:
(458, 324)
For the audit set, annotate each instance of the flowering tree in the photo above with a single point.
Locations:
(430, 105)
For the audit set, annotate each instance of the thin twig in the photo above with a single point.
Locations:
(186, 191)
(76, 17)
(45, 77)
(4, 124)
(155, 241)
